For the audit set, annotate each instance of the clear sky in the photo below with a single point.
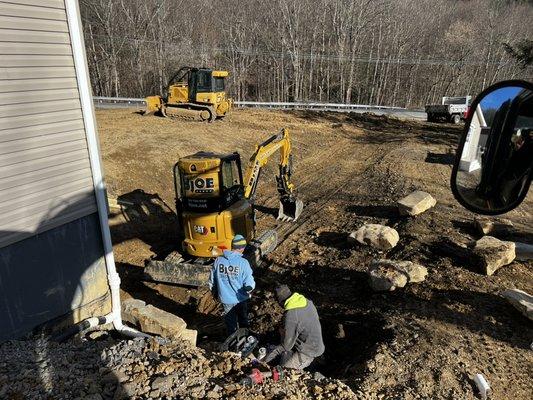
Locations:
(496, 98)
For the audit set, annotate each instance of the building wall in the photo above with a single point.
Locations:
(52, 260)
(44, 160)
(57, 275)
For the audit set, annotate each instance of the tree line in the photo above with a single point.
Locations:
(403, 53)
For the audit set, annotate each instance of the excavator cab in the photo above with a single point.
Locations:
(210, 200)
(208, 182)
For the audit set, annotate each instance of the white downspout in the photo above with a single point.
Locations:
(89, 120)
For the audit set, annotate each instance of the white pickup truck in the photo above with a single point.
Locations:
(452, 109)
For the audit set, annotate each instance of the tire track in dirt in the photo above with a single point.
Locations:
(325, 189)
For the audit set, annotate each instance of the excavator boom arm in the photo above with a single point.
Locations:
(290, 207)
(262, 154)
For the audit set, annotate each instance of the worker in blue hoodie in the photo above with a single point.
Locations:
(231, 280)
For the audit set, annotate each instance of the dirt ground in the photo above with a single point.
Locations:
(427, 340)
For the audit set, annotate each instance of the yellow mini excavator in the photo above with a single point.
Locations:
(193, 93)
(215, 203)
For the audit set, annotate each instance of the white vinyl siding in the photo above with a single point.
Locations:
(45, 172)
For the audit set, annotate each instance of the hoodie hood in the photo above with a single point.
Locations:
(295, 301)
(229, 254)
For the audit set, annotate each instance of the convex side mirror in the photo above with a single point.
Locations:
(494, 161)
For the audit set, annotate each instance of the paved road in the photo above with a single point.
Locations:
(398, 113)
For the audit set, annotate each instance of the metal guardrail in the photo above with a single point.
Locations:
(117, 100)
(128, 101)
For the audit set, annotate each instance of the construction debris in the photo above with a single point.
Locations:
(118, 205)
(378, 236)
(155, 321)
(140, 368)
(520, 300)
(486, 225)
(387, 275)
(416, 203)
(483, 386)
(491, 254)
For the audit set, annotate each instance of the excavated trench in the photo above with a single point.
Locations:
(351, 342)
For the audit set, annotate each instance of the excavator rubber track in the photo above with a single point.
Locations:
(175, 269)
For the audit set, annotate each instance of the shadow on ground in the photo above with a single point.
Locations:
(148, 218)
(272, 211)
(437, 158)
(379, 211)
(337, 240)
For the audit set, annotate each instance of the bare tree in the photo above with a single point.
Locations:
(390, 52)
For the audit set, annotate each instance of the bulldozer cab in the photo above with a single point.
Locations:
(199, 81)
(206, 81)
(208, 182)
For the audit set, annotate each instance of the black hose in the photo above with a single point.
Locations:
(75, 329)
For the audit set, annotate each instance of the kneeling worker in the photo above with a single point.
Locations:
(231, 280)
(302, 333)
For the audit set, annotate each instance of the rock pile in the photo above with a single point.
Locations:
(416, 203)
(155, 321)
(378, 236)
(491, 254)
(387, 275)
(141, 369)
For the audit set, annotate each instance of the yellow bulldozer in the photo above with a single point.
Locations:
(214, 203)
(197, 93)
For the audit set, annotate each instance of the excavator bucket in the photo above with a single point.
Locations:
(290, 209)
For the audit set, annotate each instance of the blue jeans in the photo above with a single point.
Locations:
(236, 316)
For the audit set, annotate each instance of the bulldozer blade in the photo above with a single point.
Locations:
(178, 273)
(290, 210)
(154, 105)
(162, 112)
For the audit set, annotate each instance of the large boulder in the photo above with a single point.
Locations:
(159, 322)
(387, 275)
(378, 236)
(416, 203)
(521, 300)
(155, 321)
(491, 254)
(130, 309)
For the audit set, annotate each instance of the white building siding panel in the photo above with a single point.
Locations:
(45, 171)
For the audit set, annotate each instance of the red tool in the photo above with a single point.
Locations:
(257, 377)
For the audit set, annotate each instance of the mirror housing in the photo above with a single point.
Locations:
(494, 160)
